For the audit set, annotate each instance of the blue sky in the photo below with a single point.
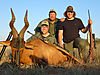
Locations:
(39, 9)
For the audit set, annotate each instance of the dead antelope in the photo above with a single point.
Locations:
(33, 50)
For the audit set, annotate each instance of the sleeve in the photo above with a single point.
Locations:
(33, 37)
(38, 28)
(60, 25)
(81, 25)
(53, 39)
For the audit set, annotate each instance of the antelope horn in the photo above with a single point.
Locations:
(25, 19)
(14, 31)
(21, 34)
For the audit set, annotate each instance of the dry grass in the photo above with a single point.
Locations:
(9, 69)
(6, 56)
(6, 68)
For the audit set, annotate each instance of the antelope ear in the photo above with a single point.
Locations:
(28, 45)
(7, 43)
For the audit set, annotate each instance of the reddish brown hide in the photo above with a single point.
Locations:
(41, 50)
(37, 49)
(33, 50)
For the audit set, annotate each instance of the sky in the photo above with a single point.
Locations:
(39, 10)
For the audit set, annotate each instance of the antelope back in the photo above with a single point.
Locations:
(44, 51)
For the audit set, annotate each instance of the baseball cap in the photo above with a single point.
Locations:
(45, 23)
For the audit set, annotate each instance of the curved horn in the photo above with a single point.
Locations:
(21, 34)
(14, 31)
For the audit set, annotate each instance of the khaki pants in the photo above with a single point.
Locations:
(69, 47)
(81, 45)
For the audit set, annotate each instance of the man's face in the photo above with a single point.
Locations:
(70, 14)
(44, 29)
(52, 16)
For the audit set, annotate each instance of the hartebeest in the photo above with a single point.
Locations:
(33, 50)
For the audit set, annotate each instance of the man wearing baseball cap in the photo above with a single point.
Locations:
(69, 32)
(44, 34)
(53, 24)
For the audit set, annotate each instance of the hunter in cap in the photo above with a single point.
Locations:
(44, 34)
(69, 32)
(53, 24)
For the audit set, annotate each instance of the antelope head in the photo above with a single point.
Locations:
(18, 39)
(17, 42)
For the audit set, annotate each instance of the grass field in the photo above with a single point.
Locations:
(6, 68)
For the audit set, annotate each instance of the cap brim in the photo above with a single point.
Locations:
(44, 25)
(68, 11)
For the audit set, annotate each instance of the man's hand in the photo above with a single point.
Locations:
(62, 19)
(84, 30)
(89, 21)
(61, 46)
